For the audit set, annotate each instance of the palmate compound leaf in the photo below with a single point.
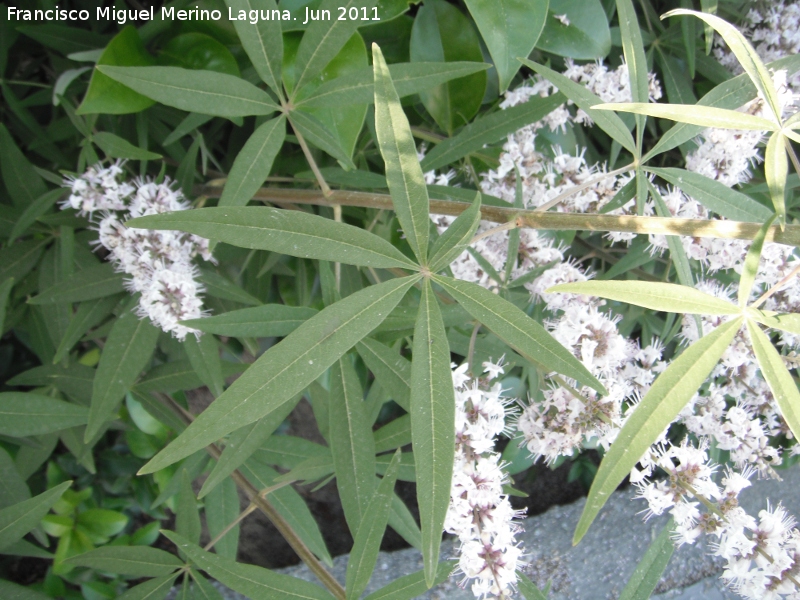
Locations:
(432, 425)
(403, 173)
(252, 581)
(666, 297)
(780, 381)
(204, 92)
(287, 368)
(667, 397)
(288, 232)
(518, 330)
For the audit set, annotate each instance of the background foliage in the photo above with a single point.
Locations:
(99, 448)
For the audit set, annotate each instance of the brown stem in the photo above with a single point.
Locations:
(775, 288)
(253, 494)
(537, 220)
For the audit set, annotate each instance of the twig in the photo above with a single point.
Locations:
(323, 185)
(578, 188)
(538, 220)
(334, 587)
(775, 288)
(504, 227)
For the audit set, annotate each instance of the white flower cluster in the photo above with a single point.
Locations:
(762, 556)
(727, 155)
(160, 263)
(774, 31)
(479, 512)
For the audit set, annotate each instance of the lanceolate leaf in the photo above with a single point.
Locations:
(243, 443)
(367, 542)
(222, 509)
(408, 79)
(780, 381)
(5, 290)
(23, 183)
(286, 231)
(205, 92)
(650, 568)
(585, 100)
(263, 41)
(776, 168)
(518, 330)
(732, 93)
(633, 49)
(287, 368)
(510, 29)
(324, 38)
(432, 425)
(667, 397)
(88, 284)
(785, 322)
(268, 320)
(714, 195)
(457, 236)
(203, 353)
(391, 370)
(128, 348)
(19, 519)
(136, 561)
(667, 297)
(352, 444)
(489, 129)
(254, 162)
(24, 414)
(403, 173)
(117, 147)
(35, 210)
(695, 114)
(291, 506)
(153, 589)
(249, 580)
(413, 585)
(745, 54)
(316, 132)
(750, 267)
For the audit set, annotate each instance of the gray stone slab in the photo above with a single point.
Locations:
(599, 567)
